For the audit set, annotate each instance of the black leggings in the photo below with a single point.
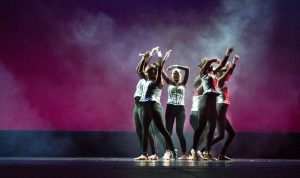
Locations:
(207, 112)
(152, 111)
(223, 124)
(194, 121)
(178, 112)
(137, 116)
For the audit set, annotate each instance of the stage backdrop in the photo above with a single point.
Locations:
(70, 65)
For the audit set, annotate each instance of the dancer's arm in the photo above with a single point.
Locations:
(164, 74)
(235, 60)
(142, 65)
(231, 69)
(186, 74)
(198, 90)
(228, 72)
(224, 61)
(222, 79)
(166, 77)
(159, 69)
(206, 65)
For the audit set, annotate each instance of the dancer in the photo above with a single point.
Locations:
(194, 120)
(151, 104)
(223, 103)
(207, 104)
(175, 104)
(197, 93)
(137, 113)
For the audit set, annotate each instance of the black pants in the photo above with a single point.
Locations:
(137, 116)
(194, 121)
(178, 112)
(223, 124)
(207, 113)
(152, 111)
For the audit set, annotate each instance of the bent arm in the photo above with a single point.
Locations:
(221, 65)
(207, 65)
(224, 61)
(186, 74)
(141, 69)
(223, 78)
(165, 76)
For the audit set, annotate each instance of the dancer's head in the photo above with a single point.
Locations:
(151, 71)
(201, 65)
(176, 75)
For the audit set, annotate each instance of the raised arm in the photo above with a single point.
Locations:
(143, 63)
(186, 74)
(159, 69)
(207, 64)
(166, 77)
(164, 74)
(235, 60)
(228, 72)
(222, 79)
(224, 61)
(138, 67)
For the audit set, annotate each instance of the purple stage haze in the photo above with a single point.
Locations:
(70, 65)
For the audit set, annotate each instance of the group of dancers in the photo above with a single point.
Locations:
(209, 107)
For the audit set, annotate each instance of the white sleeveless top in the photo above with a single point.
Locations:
(224, 95)
(139, 88)
(151, 92)
(176, 95)
(195, 103)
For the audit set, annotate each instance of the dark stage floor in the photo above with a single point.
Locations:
(127, 167)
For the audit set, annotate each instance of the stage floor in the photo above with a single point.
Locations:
(127, 167)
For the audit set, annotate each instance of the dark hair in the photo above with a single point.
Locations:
(150, 67)
(202, 62)
(155, 63)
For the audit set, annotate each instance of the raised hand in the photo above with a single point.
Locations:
(154, 50)
(146, 54)
(229, 51)
(159, 55)
(167, 55)
(235, 59)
